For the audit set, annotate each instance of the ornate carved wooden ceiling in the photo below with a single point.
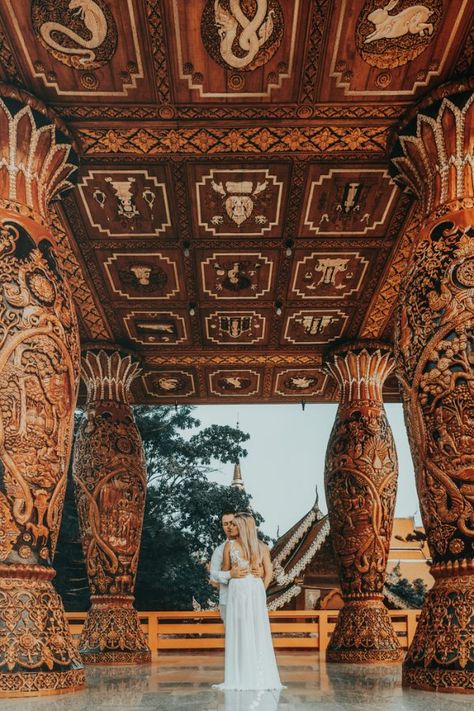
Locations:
(234, 214)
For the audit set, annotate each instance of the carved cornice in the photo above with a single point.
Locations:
(9, 66)
(37, 158)
(433, 157)
(213, 359)
(294, 112)
(152, 141)
(108, 376)
(381, 308)
(360, 371)
(84, 300)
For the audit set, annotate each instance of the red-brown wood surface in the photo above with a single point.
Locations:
(234, 214)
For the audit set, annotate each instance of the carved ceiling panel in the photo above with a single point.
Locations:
(314, 326)
(80, 49)
(392, 50)
(235, 383)
(157, 328)
(143, 276)
(328, 275)
(231, 275)
(234, 215)
(348, 200)
(124, 202)
(301, 383)
(166, 384)
(239, 200)
(231, 328)
(237, 51)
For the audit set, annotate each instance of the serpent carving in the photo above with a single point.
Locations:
(254, 35)
(95, 23)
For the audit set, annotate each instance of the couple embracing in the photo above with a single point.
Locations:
(242, 569)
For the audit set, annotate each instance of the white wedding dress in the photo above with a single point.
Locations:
(250, 662)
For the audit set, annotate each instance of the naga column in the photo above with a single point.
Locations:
(110, 486)
(434, 158)
(39, 371)
(361, 485)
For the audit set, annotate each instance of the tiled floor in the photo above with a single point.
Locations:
(183, 683)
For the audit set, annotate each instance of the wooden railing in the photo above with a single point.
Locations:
(291, 629)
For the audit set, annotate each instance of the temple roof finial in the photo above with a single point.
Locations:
(237, 481)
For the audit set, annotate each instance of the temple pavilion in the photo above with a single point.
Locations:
(235, 201)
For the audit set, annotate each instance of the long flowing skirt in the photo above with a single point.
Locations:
(250, 662)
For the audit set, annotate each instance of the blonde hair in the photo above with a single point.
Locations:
(251, 547)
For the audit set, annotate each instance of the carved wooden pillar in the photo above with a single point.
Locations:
(110, 485)
(434, 158)
(361, 483)
(39, 370)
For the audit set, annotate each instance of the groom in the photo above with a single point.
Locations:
(220, 578)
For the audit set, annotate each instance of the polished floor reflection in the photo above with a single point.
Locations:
(183, 683)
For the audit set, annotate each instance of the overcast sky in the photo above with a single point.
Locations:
(286, 454)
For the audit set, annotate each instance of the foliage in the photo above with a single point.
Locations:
(172, 566)
(182, 517)
(413, 593)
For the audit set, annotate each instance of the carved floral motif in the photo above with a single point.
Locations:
(268, 139)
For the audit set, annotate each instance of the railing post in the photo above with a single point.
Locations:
(411, 625)
(153, 640)
(323, 631)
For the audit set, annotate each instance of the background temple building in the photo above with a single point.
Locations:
(306, 574)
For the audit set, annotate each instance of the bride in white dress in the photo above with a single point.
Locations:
(250, 662)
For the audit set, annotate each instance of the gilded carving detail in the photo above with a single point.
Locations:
(433, 166)
(242, 35)
(38, 366)
(394, 32)
(364, 636)
(435, 341)
(269, 139)
(113, 635)
(39, 369)
(79, 33)
(442, 651)
(34, 633)
(361, 482)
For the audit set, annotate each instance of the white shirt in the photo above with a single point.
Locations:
(220, 576)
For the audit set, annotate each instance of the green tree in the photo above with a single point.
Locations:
(182, 517)
(413, 593)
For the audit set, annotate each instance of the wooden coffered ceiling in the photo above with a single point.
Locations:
(234, 214)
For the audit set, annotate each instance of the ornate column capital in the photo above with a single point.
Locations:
(360, 369)
(432, 155)
(108, 376)
(37, 155)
